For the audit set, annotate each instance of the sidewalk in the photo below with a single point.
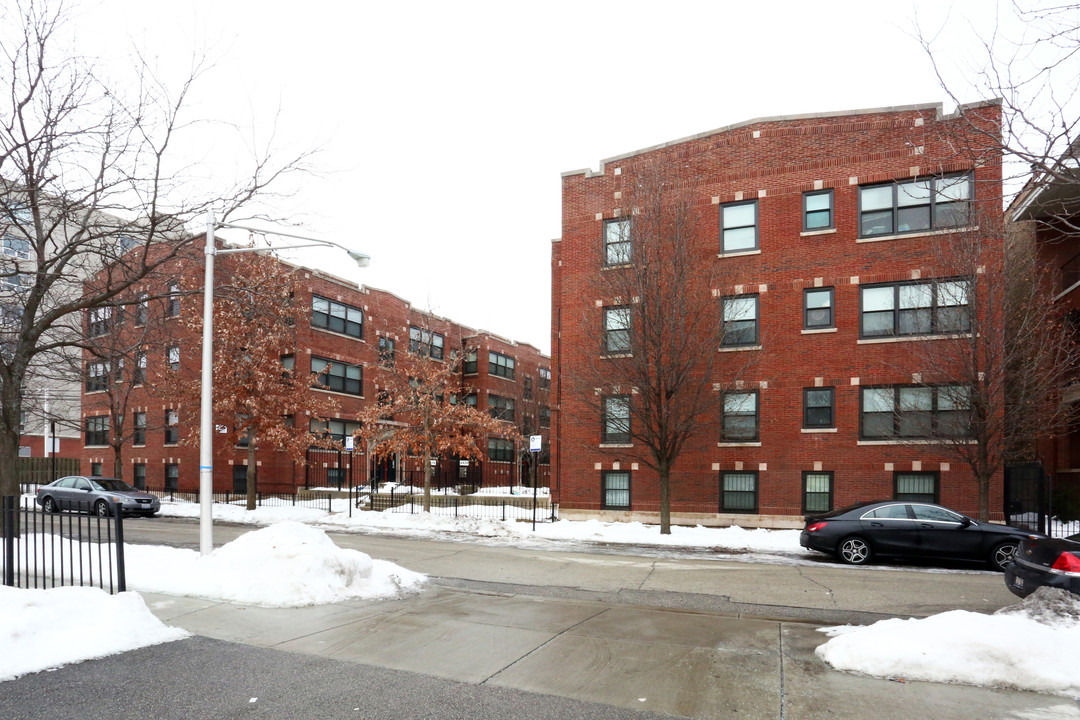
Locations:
(632, 633)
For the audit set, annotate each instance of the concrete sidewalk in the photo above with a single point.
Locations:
(678, 662)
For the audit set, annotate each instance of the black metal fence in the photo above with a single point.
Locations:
(529, 507)
(306, 498)
(46, 550)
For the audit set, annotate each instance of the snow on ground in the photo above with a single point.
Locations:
(287, 564)
(1032, 646)
(43, 629)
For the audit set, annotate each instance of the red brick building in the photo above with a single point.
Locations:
(828, 225)
(349, 329)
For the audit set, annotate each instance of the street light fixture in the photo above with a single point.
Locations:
(206, 426)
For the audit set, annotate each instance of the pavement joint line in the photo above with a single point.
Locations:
(780, 641)
(544, 644)
(667, 600)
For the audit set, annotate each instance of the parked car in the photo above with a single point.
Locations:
(96, 495)
(905, 529)
(1050, 562)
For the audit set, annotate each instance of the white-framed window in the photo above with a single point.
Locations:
(15, 246)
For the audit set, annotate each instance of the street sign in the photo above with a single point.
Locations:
(463, 463)
(535, 441)
(349, 443)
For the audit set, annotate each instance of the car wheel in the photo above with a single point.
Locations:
(1002, 554)
(49, 505)
(101, 508)
(854, 551)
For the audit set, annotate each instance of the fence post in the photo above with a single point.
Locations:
(7, 521)
(504, 510)
(121, 569)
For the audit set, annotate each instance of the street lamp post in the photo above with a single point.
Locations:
(206, 426)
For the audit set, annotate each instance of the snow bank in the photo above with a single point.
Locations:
(1031, 646)
(41, 629)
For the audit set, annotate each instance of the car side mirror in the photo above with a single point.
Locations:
(965, 522)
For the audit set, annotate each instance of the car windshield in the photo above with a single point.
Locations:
(110, 485)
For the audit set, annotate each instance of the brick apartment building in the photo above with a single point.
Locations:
(826, 226)
(349, 329)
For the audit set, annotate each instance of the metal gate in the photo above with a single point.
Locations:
(338, 469)
(1026, 497)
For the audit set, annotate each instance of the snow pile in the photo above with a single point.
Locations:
(288, 564)
(41, 629)
(1032, 646)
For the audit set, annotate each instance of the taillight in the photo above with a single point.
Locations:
(1067, 562)
(814, 527)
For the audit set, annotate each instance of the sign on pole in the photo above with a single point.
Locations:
(535, 442)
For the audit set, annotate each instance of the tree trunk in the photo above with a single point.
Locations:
(252, 491)
(665, 499)
(118, 461)
(9, 440)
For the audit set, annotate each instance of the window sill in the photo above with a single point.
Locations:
(740, 348)
(811, 431)
(812, 233)
(916, 234)
(919, 441)
(738, 444)
(738, 253)
(622, 266)
(616, 445)
(911, 338)
(615, 357)
(97, 446)
(338, 392)
(821, 331)
(327, 331)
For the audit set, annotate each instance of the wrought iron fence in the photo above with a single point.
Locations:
(306, 498)
(46, 550)
(525, 507)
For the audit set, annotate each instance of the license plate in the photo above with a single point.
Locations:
(1018, 583)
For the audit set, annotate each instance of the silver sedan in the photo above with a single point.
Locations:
(96, 495)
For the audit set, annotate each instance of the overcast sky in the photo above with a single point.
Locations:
(445, 125)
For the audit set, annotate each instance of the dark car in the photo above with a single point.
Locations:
(96, 495)
(907, 529)
(1050, 562)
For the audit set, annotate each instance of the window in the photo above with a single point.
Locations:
(818, 309)
(172, 427)
(138, 435)
(615, 420)
(97, 376)
(907, 411)
(15, 247)
(526, 388)
(138, 476)
(501, 408)
(97, 430)
(818, 404)
(15, 281)
(817, 492)
(923, 308)
(469, 364)
(172, 477)
(336, 430)
(500, 450)
(95, 469)
(616, 330)
(915, 205)
(615, 490)
(740, 422)
(172, 357)
(740, 315)
(337, 317)
(545, 416)
(738, 492)
(118, 375)
(98, 321)
(817, 210)
(545, 378)
(618, 248)
(338, 376)
(501, 365)
(426, 342)
(172, 303)
(738, 227)
(124, 243)
(916, 487)
(386, 351)
(140, 369)
(288, 364)
(142, 309)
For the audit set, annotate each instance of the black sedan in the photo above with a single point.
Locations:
(1050, 562)
(905, 529)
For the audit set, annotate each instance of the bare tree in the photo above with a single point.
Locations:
(657, 376)
(88, 191)
(420, 412)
